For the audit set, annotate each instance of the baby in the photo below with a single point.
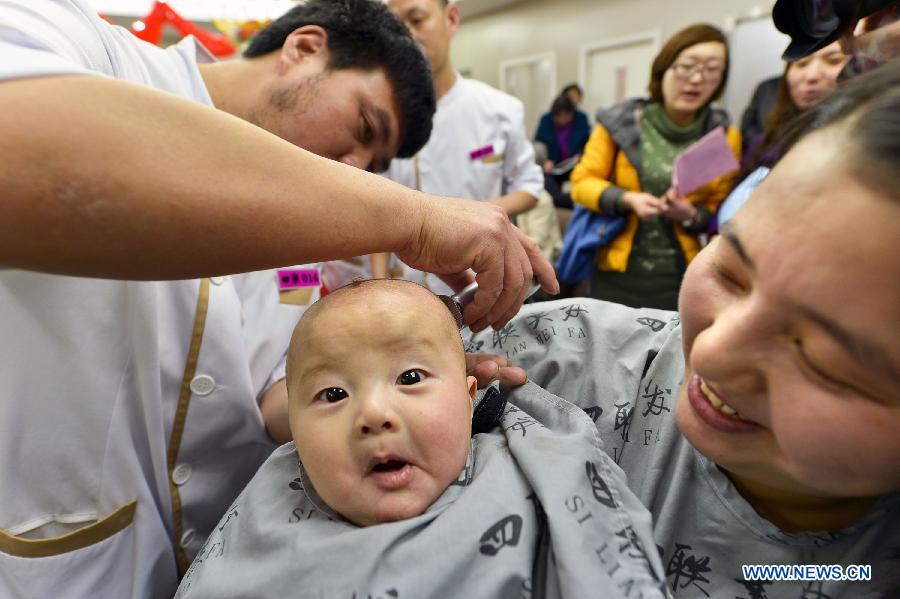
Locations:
(393, 496)
(380, 405)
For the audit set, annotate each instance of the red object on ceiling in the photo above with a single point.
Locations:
(162, 14)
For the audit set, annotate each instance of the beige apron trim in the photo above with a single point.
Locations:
(184, 400)
(73, 541)
(296, 297)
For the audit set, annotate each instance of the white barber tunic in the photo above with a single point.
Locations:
(128, 410)
(478, 150)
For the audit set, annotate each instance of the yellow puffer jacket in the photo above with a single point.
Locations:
(603, 163)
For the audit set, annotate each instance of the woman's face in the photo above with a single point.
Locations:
(561, 119)
(790, 322)
(812, 78)
(692, 79)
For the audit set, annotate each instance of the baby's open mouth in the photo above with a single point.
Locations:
(390, 473)
(389, 466)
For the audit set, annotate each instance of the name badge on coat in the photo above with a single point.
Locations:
(296, 285)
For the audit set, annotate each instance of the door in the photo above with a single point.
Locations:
(756, 48)
(614, 70)
(532, 80)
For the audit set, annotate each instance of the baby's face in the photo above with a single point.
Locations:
(380, 404)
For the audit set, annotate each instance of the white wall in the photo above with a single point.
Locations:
(564, 26)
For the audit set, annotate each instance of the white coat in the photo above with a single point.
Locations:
(128, 410)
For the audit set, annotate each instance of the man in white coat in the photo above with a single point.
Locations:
(128, 408)
(478, 148)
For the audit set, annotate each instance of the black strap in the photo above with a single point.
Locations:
(488, 411)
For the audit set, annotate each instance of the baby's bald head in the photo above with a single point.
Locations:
(384, 304)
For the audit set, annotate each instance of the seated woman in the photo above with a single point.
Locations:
(563, 131)
(392, 496)
(761, 425)
(626, 169)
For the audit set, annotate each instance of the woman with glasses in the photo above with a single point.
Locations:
(626, 169)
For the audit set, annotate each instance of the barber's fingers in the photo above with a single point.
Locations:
(458, 281)
(541, 269)
(524, 264)
(489, 264)
(455, 235)
(528, 277)
(487, 368)
(513, 290)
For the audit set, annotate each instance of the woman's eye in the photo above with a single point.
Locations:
(331, 395)
(411, 377)
(818, 372)
(728, 279)
(366, 132)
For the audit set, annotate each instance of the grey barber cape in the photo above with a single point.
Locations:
(540, 510)
(624, 367)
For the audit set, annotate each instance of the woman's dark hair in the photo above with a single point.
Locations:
(562, 104)
(364, 34)
(690, 36)
(783, 113)
(869, 108)
(571, 87)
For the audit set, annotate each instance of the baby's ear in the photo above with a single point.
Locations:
(473, 388)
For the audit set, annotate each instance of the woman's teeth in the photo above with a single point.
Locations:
(718, 403)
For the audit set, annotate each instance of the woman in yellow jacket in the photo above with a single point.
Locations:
(626, 169)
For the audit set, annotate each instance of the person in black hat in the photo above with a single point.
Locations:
(868, 30)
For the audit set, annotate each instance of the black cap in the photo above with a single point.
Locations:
(813, 24)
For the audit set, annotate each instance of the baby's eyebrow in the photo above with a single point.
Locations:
(309, 369)
(411, 341)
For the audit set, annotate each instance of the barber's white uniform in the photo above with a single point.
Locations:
(91, 373)
(478, 150)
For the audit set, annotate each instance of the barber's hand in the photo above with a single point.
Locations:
(678, 207)
(548, 166)
(454, 235)
(644, 205)
(489, 367)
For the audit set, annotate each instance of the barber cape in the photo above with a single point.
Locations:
(540, 510)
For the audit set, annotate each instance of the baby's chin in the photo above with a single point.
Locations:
(409, 508)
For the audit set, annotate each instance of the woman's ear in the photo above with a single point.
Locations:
(304, 42)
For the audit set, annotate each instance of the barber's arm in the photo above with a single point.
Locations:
(104, 178)
(515, 203)
(523, 179)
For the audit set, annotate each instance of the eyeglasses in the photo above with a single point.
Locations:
(685, 70)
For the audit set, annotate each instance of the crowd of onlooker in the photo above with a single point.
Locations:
(624, 166)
